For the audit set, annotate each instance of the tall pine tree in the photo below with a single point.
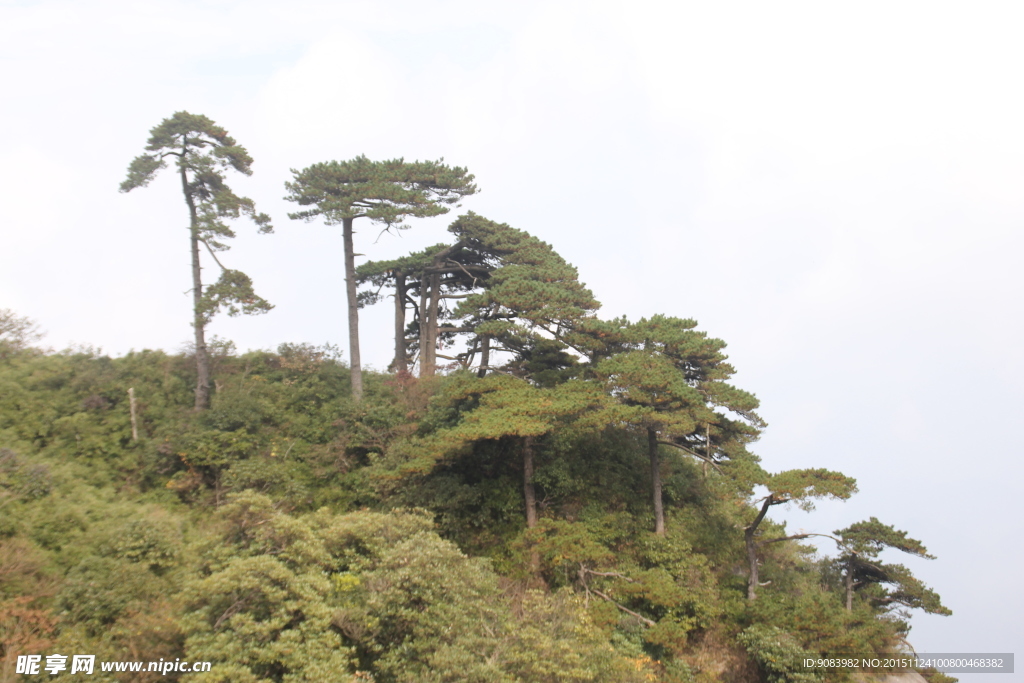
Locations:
(385, 192)
(669, 379)
(203, 151)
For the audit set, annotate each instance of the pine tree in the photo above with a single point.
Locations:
(424, 280)
(501, 406)
(802, 487)
(531, 299)
(669, 378)
(863, 572)
(516, 295)
(203, 151)
(386, 192)
(396, 274)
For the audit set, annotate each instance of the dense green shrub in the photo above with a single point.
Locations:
(289, 534)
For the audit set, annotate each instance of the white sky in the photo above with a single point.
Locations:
(833, 190)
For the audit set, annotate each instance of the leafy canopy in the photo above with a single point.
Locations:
(203, 152)
(383, 191)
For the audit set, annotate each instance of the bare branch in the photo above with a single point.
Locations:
(625, 609)
(214, 255)
(797, 537)
(693, 453)
(614, 574)
(464, 271)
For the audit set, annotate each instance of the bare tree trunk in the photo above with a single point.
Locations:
(430, 348)
(401, 363)
(353, 311)
(485, 355)
(849, 584)
(659, 509)
(707, 447)
(428, 338)
(753, 579)
(748, 537)
(424, 294)
(531, 498)
(528, 491)
(198, 317)
(131, 409)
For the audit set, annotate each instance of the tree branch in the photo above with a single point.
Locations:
(749, 531)
(693, 453)
(612, 574)
(625, 609)
(797, 537)
(464, 270)
(210, 249)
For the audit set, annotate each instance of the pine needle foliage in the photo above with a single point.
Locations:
(203, 152)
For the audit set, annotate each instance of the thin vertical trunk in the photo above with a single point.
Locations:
(485, 355)
(429, 312)
(131, 408)
(528, 491)
(753, 579)
(423, 323)
(353, 311)
(430, 348)
(530, 495)
(849, 584)
(659, 509)
(707, 447)
(401, 363)
(198, 319)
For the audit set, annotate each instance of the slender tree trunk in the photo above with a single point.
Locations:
(198, 318)
(530, 495)
(849, 584)
(401, 363)
(707, 447)
(430, 349)
(485, 355)
(748, 536)
(353, 311)
(131, 408)
(753, 579)
(528, 491)
(424, 294)
(659, 509)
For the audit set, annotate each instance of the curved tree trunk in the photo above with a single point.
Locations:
(353, 311)
(659, 508)
(748, 536)
(198, 321)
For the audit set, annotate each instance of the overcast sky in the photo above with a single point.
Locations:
(834, 190)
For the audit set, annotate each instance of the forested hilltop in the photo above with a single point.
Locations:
(530, 492)
(292, 533)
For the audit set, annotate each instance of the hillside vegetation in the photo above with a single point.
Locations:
(290, 533)
(531, 493)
